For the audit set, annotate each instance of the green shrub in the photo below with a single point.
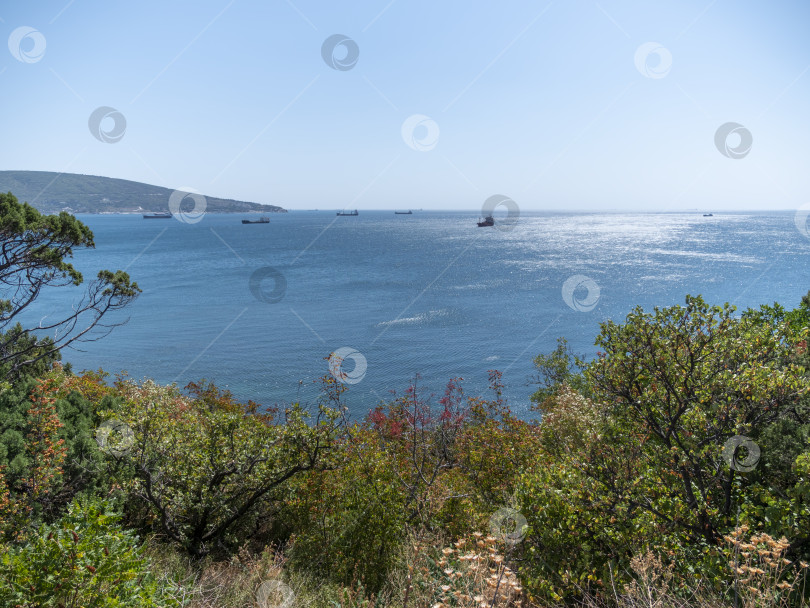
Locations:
(204, 472)
(411, 469)
(48, 449)
(644, 463)
(348, 524)
(82, 560)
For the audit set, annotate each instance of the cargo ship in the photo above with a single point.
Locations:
(262, 220)
(157, 216)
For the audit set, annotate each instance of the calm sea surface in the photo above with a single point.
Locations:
(428, 293)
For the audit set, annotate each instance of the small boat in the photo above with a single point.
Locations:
(157, 216)
(408, 212)
(262, 220)
(349, 213)
(488, 221)
(708, 215)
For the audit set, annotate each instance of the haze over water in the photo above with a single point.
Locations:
(428, 293)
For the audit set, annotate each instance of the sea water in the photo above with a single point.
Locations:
(258, 309)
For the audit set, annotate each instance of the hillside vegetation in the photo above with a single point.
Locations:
(51, 192)
(673, 470)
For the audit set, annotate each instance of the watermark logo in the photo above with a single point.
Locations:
(274, 594)
(512, 211)
(420, 132)
(340, 52)
(338, 357)
(573, 296)
(115, 437)
(107, 125)
(800, 219)
(508, 525)
(725, 136)
(176, 203)
(653, 60)
(26, 44)
(741, 453)
(258, 285)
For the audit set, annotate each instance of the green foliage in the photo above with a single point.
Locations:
(392, 481)
(348, 524)
(412, 467)
(558, 368)
(628, 474)
(679, 384)
(577, 532)
(494, 449)
(75, 401)
(642, 463)
(34, 256)
(41, 353)
(203, 472)
(82, 560)
(33, 474)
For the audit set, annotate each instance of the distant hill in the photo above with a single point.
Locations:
(51, 192)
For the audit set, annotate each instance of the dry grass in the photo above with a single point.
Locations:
(468, 573)
(250, 580)
(764, 576)
(652, 587)
(474, 572)
(231, 584)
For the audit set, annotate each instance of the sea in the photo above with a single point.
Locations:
(380, 301)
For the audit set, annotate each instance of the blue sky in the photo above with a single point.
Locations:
(539, 101)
